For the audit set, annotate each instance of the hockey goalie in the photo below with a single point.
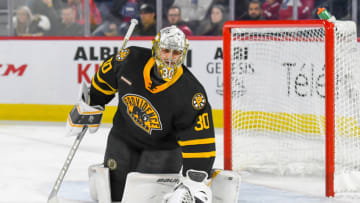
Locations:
(163, 125)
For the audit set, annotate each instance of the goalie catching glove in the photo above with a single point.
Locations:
(83, 114)
(192, 189)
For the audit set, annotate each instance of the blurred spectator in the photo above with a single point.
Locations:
(48, 9)
(342, 9)
(174, 18)
(26, 24)
(69, 26)
(108, 29)
(271, 9)
(224, 3)
(305, 9)
(147, 25)
(129, 10)
(193, 10)
(241, 9)
(79, 8)
(166, 4)
(214, 24)
(56, 4)
(254, 11)
(104, 6)
(118, 17)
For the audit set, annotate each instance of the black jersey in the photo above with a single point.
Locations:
(154, 114)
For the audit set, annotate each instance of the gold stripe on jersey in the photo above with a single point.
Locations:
(199, 154)
(107, 92)
(197, 142)
(149, 65)
(97, 77)
(103, 81)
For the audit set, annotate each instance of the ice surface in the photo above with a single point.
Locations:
(32, 155)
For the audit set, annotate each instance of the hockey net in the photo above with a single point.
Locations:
(292, 100)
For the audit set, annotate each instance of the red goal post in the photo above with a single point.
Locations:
(253, 115)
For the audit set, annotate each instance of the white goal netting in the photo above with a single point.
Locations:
(278, 77)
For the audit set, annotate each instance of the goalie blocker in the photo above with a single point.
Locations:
(156, 188)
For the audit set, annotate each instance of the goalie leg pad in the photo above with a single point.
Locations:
(99, 183)
(225, 186)
(149, 188)
(152, 186)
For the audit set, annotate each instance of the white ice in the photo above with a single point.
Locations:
(32, 154)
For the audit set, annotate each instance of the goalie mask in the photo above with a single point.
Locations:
(169, 49)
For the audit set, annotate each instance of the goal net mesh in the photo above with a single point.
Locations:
(278, 101)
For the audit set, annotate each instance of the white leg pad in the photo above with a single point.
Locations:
(149, 188)
(99, 183)
(225, 186)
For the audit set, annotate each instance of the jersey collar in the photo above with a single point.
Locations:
(149, 65)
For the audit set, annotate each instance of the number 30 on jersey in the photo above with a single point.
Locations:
(202, 122)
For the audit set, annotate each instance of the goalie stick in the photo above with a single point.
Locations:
(53, 194)
(129, 32)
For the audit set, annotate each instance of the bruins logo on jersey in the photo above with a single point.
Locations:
(142, 112)
(122, 54)
(198, 101)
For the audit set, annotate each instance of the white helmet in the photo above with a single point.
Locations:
(171, 38)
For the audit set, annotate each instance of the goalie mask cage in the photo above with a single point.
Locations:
(291, 100)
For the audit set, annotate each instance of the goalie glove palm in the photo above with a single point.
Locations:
(83, 114)
(191, 190)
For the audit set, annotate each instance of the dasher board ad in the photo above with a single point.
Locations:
(51, 71)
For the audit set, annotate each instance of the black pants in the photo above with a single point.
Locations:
(122, 158)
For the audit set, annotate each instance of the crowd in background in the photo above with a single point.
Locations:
(194, 17)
